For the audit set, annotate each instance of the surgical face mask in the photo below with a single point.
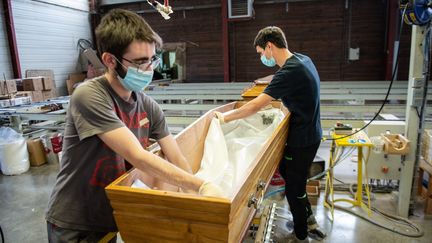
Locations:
(135, 79)
(268, 62)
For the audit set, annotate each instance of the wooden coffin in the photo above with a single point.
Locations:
(166, 215)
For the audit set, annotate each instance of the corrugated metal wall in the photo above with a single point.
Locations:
(47, 32)
(5, 61)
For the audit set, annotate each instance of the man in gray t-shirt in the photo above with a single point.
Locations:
(108, 126)
(96, 108)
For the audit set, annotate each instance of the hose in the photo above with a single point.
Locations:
(271, 193)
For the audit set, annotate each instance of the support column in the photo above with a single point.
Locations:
(225, 40)
(406, 197)
(10, 29)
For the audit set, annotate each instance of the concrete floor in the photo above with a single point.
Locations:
(23, 201)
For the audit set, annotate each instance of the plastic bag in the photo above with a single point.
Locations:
(53, 143)
(230, 148)
(14, 157)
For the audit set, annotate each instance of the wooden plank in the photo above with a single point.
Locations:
(189, 107)
(149, 210)
(425, 166)
(165, 198)
(141, 229)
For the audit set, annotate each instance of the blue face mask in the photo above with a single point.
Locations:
(136, 79)
(268, 62)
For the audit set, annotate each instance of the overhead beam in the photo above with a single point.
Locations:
(115, 2)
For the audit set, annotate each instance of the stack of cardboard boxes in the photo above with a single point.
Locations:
(40, 88)
(426, 150)
(9, 95)
(8, 87)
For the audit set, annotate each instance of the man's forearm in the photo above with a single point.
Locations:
(181, 162)
(168, 172)
(242, 112)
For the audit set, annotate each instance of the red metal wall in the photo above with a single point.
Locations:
(319, 29)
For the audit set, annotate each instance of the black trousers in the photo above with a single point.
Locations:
(61, 235)
(294, 168)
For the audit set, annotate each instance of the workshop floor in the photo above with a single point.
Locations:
(23, 201)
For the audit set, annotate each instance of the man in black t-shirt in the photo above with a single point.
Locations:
(297, 84)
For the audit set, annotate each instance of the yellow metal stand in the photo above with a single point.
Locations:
(358, 140)
(108, 237)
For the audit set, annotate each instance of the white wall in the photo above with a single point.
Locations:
(47, 32)
(5, 61)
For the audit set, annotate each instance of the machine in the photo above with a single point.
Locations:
(381, 165)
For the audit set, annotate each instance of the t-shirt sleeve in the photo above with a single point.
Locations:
(282, 84)
(158, 126)
(93, 112)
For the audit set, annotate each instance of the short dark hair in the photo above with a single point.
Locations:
(271, 34)
(119, 28)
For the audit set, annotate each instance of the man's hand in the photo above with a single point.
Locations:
(220, 117)
(211, 190)
(267, 107)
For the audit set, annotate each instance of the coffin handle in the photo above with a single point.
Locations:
(256, 201)
(261, 185)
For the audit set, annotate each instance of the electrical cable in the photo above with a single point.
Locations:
(2, 236)
(339, 180)
(389, 88)
(337, 161)
(395, 219)
(340, 157)
(417, 230)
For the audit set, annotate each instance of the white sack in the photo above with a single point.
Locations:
(14, 158)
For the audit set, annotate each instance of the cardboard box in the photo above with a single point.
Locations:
(54, 93)
(19, 84)
(48, 83)
(40, 72)
(33, 84)
(46, 95)
(426, 148)
(8, 86)
(5, 103)
(73, 79)
(12, 85)
(49, 94)
(23, 94)
(36, 152)
(313, 191)
(15, 102)
(36, 96)
(21, 101)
